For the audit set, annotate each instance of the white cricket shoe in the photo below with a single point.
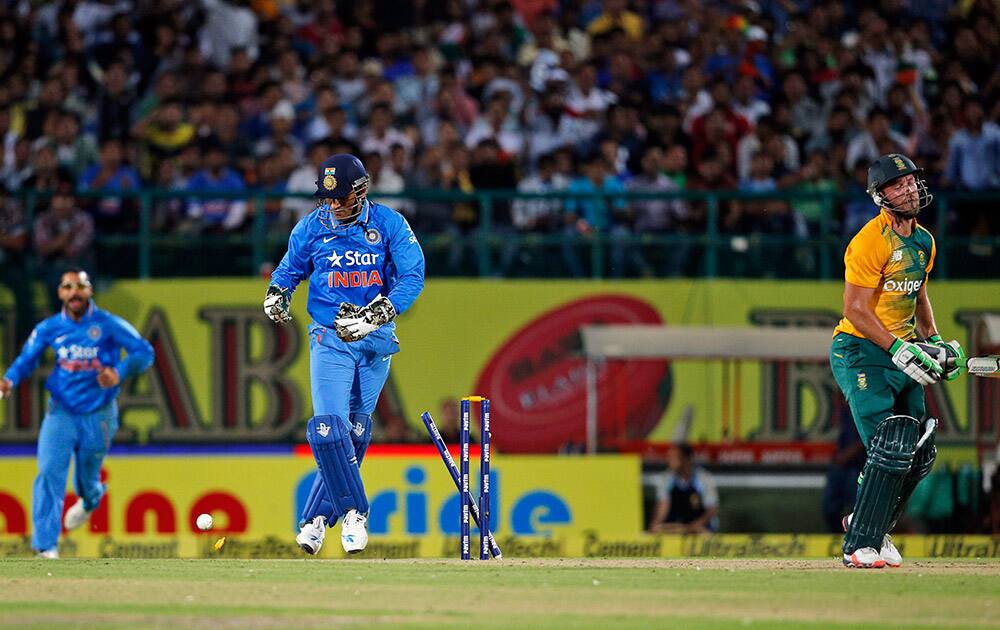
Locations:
(48, 554)
(889, 553)
(864, 558)
(354, 532)
(311, 535)
(76, 516)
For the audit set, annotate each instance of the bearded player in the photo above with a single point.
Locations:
(82, 414)
(364, 267)
(877, 363)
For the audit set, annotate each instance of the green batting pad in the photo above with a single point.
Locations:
(923, 462)
(890, 457)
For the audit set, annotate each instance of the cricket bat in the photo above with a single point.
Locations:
(988, 366)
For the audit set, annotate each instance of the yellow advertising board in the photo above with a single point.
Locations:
(226, 374)
(539, 503)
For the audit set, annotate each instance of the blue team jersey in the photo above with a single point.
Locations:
(82, 348)
(377, 255)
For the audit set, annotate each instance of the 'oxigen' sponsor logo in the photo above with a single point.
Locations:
(902, 286)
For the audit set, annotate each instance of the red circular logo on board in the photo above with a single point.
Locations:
(536, 381)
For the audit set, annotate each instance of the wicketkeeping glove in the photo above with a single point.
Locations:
(277, 301)
(365, 320)
(953, 351)
(345, 312)
(916, 363)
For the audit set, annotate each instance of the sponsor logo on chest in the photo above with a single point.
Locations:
(76, 358)
(902, 286)
(342, 277)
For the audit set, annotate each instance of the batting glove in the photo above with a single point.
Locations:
(277, 301)
(365, 320)
(916, 363)
(952, 352)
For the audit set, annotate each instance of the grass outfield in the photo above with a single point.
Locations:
(525, 593)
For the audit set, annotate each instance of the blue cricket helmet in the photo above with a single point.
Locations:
(338, 176)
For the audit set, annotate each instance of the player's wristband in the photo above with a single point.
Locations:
(895, 346)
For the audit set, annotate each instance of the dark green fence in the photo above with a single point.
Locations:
(702, 248)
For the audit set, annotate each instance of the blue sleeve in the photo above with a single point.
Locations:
(572, 204)
(295, 264)
(133, 179)
(31, 354)
(618, 186)
(138, 352)
(408, 259)
(87, 177)
(951, 168)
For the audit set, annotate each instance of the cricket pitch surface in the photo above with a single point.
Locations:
(523, 593)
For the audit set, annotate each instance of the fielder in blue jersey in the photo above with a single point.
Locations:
(82, 415)
(364, 267)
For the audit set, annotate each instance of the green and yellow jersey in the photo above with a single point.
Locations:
(896, 266)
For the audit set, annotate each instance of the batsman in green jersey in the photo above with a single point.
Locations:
(877, 362)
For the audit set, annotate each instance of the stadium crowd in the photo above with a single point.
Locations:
(586, 96)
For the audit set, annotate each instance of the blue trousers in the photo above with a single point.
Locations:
(87, 438)
(346, 380)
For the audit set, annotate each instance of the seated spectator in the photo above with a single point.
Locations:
(169, 212)
(491, 169)
(63, 237)
(496, 124)
(550, 124)
(745, 101)
(46, 172)
(750, 215)
(332, 124)
(651, 216)
(17, 166)
(303, 180)
(239, 149)
(74, 150)
(687, 499)
(115, 102)
(974, 165)
(269, 180)
(111, 174)
(752, 143)
(540, 215)
(877, 139)
(582, 217)
(587, 103)
(616, 15)
(381, 134)
(164, 134)
(720, 127)
(218, 214)
(838, 130)
(14, 244)
(813, 177)
(383, 179)
(282, 124)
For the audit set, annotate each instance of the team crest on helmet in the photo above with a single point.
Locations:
(373, 236)
(329, 181)
(899, 163)
(862, 381)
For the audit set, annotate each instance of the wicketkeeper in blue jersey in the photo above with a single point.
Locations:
(82, 414)
(364, 267)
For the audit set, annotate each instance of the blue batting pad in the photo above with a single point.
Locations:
(330, 440)
(361, 434)
(318, 502)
